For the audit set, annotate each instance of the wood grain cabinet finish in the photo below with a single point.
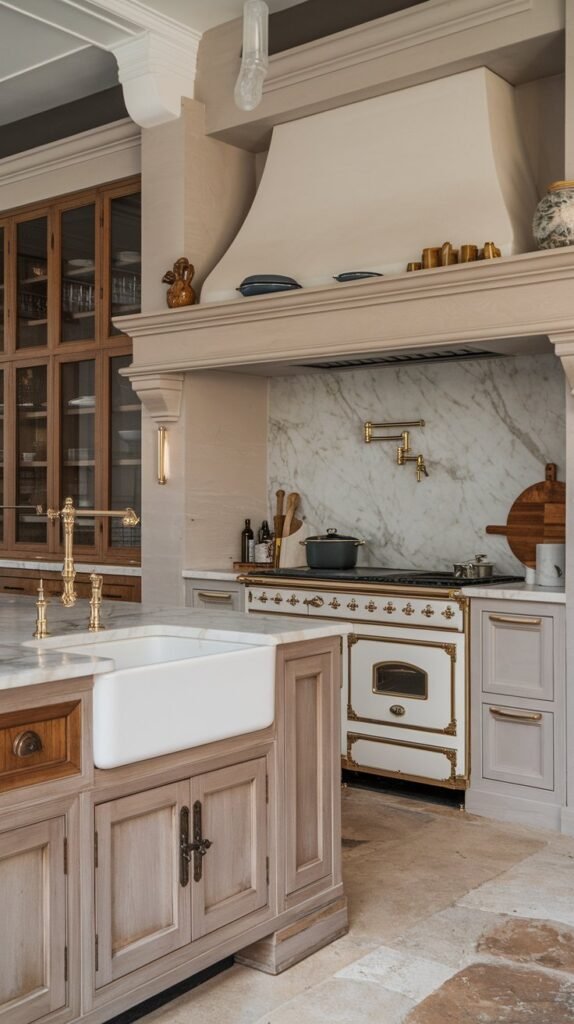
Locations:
(40, 744)
(152, 898)
(308, 738)
(518, 654)
(32, 921)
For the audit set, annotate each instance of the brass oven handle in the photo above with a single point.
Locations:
(516, 620)
(215, 595)
(27, 743)
(518, 716)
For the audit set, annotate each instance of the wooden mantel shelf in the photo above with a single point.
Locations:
(514, 304)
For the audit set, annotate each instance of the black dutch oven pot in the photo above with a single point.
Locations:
(332, 551)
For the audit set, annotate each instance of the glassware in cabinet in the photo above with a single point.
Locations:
(32, 283)
(31, 451)
(125, 257)
(2, 285)
(78, 274)
(78, 441)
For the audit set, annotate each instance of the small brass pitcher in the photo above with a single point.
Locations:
(490, 251)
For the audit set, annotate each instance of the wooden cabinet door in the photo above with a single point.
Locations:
(233, 809)
(309, 769)
(142, 910)
(32, 921)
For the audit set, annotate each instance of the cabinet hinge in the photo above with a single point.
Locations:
(97, 951)
(267, 870)
(95, 849)
(65, 963)
(65, 855)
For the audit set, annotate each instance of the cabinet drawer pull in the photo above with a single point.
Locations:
(27, 743)
(518, 716)
(214, 595)
(517, 620)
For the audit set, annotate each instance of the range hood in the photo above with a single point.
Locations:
(367, 186)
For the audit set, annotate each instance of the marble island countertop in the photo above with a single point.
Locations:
(30, 665)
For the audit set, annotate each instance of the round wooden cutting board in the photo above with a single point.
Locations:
(538, 516)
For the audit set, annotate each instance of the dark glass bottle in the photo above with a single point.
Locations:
(264, 533)
(246, 537)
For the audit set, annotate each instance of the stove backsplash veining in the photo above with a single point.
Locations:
(491, 425)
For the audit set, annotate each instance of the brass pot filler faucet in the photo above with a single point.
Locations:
(68, 515)
(404, 449)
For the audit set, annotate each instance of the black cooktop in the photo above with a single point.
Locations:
(396, 577)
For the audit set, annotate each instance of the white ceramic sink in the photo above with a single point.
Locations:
(171, 692)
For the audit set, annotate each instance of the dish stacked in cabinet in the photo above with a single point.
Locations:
(518, 711)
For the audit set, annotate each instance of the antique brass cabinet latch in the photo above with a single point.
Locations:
(198, 847)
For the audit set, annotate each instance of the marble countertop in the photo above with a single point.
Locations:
(517, 592)
(209, 574)
(30, 665)
(105, 570)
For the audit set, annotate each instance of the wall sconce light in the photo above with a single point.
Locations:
(404, 451)
(254, 56)
(161, 455)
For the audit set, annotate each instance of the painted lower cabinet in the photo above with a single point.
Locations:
(518, 712)
(33, 919)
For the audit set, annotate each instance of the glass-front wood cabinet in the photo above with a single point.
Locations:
(70, 423)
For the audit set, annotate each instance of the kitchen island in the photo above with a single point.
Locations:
(117, 883)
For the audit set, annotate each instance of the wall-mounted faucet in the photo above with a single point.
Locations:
(404, 449)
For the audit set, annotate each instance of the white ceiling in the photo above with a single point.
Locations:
(55, 51)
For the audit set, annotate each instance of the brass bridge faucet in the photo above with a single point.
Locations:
(68, 515)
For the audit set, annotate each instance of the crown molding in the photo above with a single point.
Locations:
(96, 143)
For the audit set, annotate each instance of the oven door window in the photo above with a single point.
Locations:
(400, 679)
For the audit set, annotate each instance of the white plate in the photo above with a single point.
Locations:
(130, 435)
(80, 263)
(83, 401)
(128, 256)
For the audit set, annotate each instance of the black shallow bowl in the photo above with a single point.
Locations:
(264, 284)
(356, 275)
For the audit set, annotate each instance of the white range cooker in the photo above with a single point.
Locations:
(405, 670)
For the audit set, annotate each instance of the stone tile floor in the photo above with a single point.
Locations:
(454, 919)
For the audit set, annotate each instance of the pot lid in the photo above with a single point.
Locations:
(332, 535)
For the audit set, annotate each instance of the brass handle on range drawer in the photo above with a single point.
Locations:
(27, 743)
(516, 620)
(314, 602)
(215, 595)
(518, 716)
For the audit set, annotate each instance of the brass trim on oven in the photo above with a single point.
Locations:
(353, 621)
(346, 586)
(453, 780)
(397, 693)
(449, 649)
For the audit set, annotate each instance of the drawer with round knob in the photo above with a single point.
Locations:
(40, 744)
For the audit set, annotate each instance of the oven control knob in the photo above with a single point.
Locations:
(334, 603)
(408, 609)
(371, 606)
(397, 709)
(448, 612)
(428, 611)
(292, 600)
(277, 599)
(263, 598)
(389, 608)
(353, 605)
(314, 602)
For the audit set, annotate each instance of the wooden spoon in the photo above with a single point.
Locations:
(292, 503)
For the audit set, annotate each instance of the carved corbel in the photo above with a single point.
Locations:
(160, 394)
(155, 71)
(564, 349)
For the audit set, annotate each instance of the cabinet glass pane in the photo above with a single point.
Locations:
(2, 289)
(125, 453)
(31, 451)
(78, 298)
(32, 283)
(125, 257)
(1, 454)
(78, 442)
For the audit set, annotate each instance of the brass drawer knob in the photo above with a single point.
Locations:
(27, 743)
(428, 611)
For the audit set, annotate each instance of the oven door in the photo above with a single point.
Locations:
(403, 682)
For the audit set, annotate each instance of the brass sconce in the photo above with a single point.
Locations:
(161, 454)
(404, 449)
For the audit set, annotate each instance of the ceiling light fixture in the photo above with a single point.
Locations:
(255, 55)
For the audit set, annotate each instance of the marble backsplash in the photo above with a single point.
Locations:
(491, 425)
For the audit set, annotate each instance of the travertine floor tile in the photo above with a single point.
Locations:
(526, 941)
(451, 936)
(412, 976)
(540, 887)
(341, 1001)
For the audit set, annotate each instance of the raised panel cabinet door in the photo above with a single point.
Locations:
(229, 812)
(309, 767)
(142, 910)
(518, 655)
(32, 921)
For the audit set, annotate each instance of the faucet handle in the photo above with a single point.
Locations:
(95, 603)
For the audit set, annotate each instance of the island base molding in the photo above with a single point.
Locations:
(287, 946)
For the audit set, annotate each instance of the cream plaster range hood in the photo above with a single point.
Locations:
(366, 186)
